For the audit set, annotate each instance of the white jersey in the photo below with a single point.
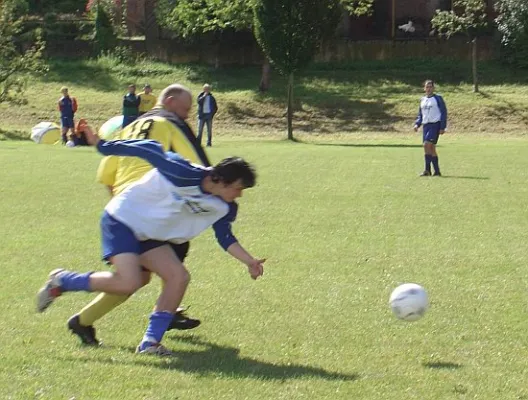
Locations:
(153, 208)
(168, 203)
(430, 110)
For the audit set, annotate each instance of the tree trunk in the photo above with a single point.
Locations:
(290, 107)
(474, 64)
(152, 31)
(265, 79)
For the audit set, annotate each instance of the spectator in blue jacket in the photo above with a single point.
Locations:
(207, 108)
(130, 106)
(432, 115)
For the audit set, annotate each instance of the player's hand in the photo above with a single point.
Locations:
(91, 137)
(415, 127)
(255, 268)
(441, 131)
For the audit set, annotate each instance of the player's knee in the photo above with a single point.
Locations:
(132, 284)
(178, 277)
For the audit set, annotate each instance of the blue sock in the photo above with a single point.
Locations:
(75, 281)
(434, 160)
(428, 159)
(159, 322)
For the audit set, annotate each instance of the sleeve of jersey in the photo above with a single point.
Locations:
(222, 227)
(176, 169)
(106, 172)
(443, 112)
(419, 119)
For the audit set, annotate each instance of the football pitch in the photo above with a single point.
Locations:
(342, 223)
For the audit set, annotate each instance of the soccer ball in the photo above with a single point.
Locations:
(70, 143)
(409, 302)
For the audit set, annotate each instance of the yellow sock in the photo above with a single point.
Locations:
(99, 307)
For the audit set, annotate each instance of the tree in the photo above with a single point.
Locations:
(104, 34)
(468, 17)
(512, 23)
(290, 32)
(194, 18)
(20, 57)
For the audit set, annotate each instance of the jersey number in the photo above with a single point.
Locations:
(141, 129)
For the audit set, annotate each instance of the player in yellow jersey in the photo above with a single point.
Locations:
(147, 100)
(166, 124)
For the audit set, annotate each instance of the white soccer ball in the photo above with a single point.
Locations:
(409, 302)
(70, 143)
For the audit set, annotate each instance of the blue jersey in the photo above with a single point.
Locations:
(67, 106)
(168, 203)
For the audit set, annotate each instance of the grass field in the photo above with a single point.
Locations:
(342, 223)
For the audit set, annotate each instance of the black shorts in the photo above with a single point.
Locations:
(180, 250)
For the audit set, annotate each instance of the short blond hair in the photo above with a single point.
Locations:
(173, 90)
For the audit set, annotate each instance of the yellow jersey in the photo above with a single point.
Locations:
(146, 102)
(161, 125)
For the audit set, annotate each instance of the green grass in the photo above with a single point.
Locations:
(364, 96)
(342, 223)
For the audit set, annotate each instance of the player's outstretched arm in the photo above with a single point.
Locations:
(255, 266)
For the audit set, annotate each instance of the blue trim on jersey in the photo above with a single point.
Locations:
(419, 119)
(443, 111)
(222, 227)
(172, 166)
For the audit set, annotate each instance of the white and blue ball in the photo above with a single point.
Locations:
(409, 302)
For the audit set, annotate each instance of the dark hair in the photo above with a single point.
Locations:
(231, 169)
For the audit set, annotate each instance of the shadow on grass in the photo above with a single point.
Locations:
(442, 365)
(465, 177)
(213, 359)
(323, 113)
(396, 145)
(14, 135)
(82, 73)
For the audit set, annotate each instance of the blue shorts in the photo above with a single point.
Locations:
(67, 122)
(431, 132)
(117, 238)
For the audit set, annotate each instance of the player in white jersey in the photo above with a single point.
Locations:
(432, 114)
(174, 202)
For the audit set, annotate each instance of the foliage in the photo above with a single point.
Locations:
(188, 18)
(104, 37)
(55, 6)
(18, 59)
(290, 31)
(358, 7)
(512, 23)
(466, 16)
